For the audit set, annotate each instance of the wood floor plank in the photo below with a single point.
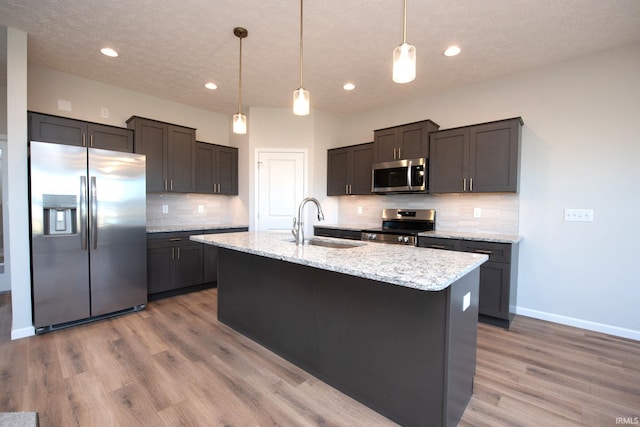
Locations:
(174, 364)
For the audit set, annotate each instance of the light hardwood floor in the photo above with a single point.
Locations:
(174, 364)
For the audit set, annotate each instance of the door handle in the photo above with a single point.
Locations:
(83, 213)
(94, 213)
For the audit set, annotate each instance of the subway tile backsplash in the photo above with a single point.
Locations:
(184, 209)
(454, 212)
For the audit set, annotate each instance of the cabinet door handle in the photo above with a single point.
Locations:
(464, 184)
(178, 250)
(175, 239)
(171, 184)
(164, 184)
(84, 139)
(470, 184)
(173, 253)
(438, 247)
(346, 189)
(399, 152)
(91, 140)
(219, 188)
(394, 153)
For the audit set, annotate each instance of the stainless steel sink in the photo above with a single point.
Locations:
(330, 243)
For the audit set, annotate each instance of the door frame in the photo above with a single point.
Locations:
(256, 174)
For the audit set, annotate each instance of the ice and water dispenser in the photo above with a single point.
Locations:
(60, 214)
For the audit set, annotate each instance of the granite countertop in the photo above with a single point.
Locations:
(409, 266)
(482, 237)
(190, 227)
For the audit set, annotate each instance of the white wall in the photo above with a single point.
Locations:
(580, 149)
(280, 128)
(17, 239)
(88, 97)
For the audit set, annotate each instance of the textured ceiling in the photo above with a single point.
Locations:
(170, 48)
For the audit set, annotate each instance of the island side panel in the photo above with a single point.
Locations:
(462, 344)
(382, 344)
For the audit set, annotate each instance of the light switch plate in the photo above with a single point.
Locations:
(578, 215)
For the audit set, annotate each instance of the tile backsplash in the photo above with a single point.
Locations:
(454, 212)
(187, 209)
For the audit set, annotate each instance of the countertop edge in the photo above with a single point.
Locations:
(191, 227)
(436, 285)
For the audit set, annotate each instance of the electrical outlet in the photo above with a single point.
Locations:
(578, 215)
(165, 209)
(359, 210)
(477, 212)
(200, 209)
(466, 301)
(104, 112)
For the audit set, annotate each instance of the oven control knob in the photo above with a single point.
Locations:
(400, 239)
(405, 239)
(373, 236)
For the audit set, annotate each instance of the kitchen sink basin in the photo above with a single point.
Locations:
(330, 243)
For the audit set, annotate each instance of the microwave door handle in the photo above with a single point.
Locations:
(409, 167)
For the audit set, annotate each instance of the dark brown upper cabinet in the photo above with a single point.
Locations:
(349, 170)
(62, 130)
(216, 169)
(480, 158)
(171, 154)
(409, 141)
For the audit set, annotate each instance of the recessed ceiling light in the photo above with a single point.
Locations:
(211, 85)
(452, 51)
(109, 52)
(349, 86)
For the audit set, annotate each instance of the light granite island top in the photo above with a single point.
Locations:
(408, 266)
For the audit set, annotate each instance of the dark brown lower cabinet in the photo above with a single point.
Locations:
(177, 265)
(498, 276)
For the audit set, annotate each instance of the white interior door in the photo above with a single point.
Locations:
(281, 185)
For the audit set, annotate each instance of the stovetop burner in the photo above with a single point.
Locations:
(402, 226)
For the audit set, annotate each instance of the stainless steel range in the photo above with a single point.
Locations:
(401, 226)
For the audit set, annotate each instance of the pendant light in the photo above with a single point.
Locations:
(239, 119)
(301, 95)
(404, 57)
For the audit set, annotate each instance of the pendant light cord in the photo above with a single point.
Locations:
(240, 80)
(404, 24)
(301, 42)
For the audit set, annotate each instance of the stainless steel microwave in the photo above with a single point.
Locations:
(400, 176)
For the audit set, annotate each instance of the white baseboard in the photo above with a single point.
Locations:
(579, 323)
(16, 334)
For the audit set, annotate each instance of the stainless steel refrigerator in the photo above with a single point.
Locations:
(88, 234)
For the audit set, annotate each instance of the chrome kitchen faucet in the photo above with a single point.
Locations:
(298, 229)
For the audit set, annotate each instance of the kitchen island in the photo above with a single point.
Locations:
(392, 326)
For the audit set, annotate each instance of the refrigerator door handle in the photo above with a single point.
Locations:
(93, 218)
(83, 213)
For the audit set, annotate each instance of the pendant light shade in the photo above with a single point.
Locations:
(300, 102)
(301, 95)
(404, 57)
(239, 123)
(239, 119)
